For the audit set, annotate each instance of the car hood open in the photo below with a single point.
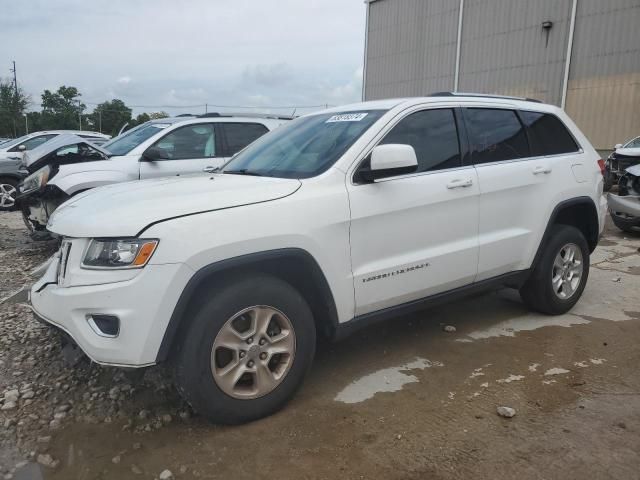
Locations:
(126, 209)
(38, 157)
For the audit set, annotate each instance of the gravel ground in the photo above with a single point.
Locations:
(41, 390)
(476, 389)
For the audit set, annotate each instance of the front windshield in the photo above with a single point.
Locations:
(304, 147)
(635, 143)
(15, 141)
(123, 144)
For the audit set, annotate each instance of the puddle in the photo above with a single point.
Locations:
(556, 371)
(385, 380)
(508, 328)
(510, 378)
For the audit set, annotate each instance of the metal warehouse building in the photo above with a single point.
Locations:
(583, 55)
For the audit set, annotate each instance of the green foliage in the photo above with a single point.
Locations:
(61, 109)
(109, 117)
(12, 110)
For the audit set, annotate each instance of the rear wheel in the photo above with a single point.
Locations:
(8, 192)
(246, 351)
(560, 275)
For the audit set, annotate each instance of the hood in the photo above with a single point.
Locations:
(125, 209)
(628, 152)
(38, 156)
(635, 170)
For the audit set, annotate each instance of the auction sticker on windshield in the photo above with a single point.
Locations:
(347, 117)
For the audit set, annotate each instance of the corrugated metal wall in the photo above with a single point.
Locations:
(506, 50)
(411, 50)
(411, 47)
(603, 94)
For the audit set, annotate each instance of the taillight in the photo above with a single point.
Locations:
(601, 165)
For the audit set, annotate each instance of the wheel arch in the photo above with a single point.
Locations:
(579, 212)
(293, 265)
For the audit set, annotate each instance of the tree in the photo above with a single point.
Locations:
(109, 117)
(12, 109)
(145, 117)
(62, 109)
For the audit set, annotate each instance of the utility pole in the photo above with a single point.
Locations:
(15, 79)
(26, 124)
(100, 121)
(79, 115)
(15, 97)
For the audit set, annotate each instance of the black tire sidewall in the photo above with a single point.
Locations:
(560, 236)
(193, 370)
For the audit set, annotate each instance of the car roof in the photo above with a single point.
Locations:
(73, 132)
(468, 98)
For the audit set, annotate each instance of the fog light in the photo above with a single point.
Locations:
(104, 325)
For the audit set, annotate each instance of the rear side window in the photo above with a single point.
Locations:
(547, 134)
(495, 135)
(239, 135)
(434, 137)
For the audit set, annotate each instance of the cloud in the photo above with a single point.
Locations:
(162, 52)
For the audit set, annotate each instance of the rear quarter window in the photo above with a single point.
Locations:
(239, 135)
(547, 134)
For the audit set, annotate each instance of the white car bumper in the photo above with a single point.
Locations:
(143, 305)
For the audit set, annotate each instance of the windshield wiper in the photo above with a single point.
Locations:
(243, 171)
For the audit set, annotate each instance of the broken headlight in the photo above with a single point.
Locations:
(118, 253)
(36, 180)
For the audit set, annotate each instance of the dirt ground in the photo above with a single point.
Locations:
(404, 400)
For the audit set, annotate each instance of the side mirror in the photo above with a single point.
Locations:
(618, 145)
(153, 154)
(22, 148)
(390, 160)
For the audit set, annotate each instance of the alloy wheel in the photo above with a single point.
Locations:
(7, 195)
(253, 352)
(567, 271)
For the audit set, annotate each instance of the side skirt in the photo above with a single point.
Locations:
(512, 280)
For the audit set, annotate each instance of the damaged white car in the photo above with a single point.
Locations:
(625, 207)
(623, 157)
(69, 164)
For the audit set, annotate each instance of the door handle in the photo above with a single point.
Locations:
(460, 183)
(209, 169)
(541, 169)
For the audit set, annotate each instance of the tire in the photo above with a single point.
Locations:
(8, 191)
(625, 226)
(538, 292)
(194, 358)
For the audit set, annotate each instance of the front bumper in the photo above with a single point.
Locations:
(629, 205)
(143, 305)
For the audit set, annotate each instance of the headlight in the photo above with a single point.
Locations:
(118, 253)
(36, 180)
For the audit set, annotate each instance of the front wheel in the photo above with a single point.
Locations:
(8, 192)
(560, 275)
(247, 350)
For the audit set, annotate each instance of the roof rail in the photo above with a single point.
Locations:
(482, 95)
(247, 114)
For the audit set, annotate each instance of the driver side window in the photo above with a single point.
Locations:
(190, 141)
(32, 143)
(433, 134)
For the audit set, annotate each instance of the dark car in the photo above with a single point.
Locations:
(11, 174)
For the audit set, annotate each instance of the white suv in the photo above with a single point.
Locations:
(334, 221)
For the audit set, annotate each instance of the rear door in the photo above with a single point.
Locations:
(519, 172)
(191, 148)
(416, 235)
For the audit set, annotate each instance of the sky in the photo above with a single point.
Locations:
(163, 53)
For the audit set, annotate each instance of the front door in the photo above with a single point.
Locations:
(416, 235)
(193, 148)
